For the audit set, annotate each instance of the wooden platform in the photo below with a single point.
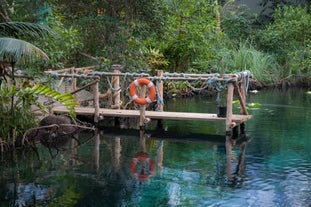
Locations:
(152, 114)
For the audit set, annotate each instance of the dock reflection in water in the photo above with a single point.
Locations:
(116, 169)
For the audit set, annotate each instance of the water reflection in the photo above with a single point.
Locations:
(142, 166)
(116, 168)
(236, 176)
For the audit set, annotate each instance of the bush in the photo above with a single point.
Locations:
(288, 38)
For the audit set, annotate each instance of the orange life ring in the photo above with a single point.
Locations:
(152, 91)
(147, 169)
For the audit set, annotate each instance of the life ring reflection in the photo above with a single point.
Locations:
(142, 166)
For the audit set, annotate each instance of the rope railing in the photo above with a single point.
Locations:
(214, 80)
(167, 76)
(137, 75)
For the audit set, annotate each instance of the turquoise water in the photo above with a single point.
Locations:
(187, 164)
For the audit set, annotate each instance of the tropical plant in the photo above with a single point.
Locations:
(16, 101)
(20, 116)
(245, 56)
(13, 50)
(288, 38)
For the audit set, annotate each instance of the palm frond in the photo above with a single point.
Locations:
(14, 50)
(21, 29)
(65, 98)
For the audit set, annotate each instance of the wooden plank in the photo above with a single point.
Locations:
(153, 114)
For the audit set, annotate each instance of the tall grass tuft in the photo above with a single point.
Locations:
(263, 66)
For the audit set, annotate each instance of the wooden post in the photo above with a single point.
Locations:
(74, 83)
(160, 90)
(115, 80)
(96, 100)
(142, 109)
(229, 109)
(160, 97)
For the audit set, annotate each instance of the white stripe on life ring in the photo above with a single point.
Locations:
(134, 97)
(150, 84)
(148, 100)
(136, 82)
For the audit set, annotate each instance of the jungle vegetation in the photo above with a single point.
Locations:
(196, 36)
(181, 36)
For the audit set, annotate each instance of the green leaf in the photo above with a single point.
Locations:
(254, 105)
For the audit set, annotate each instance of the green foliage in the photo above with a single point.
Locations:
(114, 31)
(65, 98)
(236, 21)
(24, 29)
(245, 56)
(18, 114)
(182, 36)
(15, 117)
(288, 38)
(63, 48)
(154, 58)
(13, 50)
(190, 34)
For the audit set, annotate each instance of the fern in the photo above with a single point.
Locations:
(64, 98)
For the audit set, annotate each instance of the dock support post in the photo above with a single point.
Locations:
(160, 90)
(96, 100)
(244, 112)
(229, 109)
(243, 98)
(160, 97)
(142, 109)
(116, 85)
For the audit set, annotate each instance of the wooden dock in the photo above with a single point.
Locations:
(88, 111)
(236, 83)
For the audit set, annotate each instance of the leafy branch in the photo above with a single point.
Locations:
(64, 98)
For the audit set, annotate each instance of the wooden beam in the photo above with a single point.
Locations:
(243, 109)
(87, 85)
